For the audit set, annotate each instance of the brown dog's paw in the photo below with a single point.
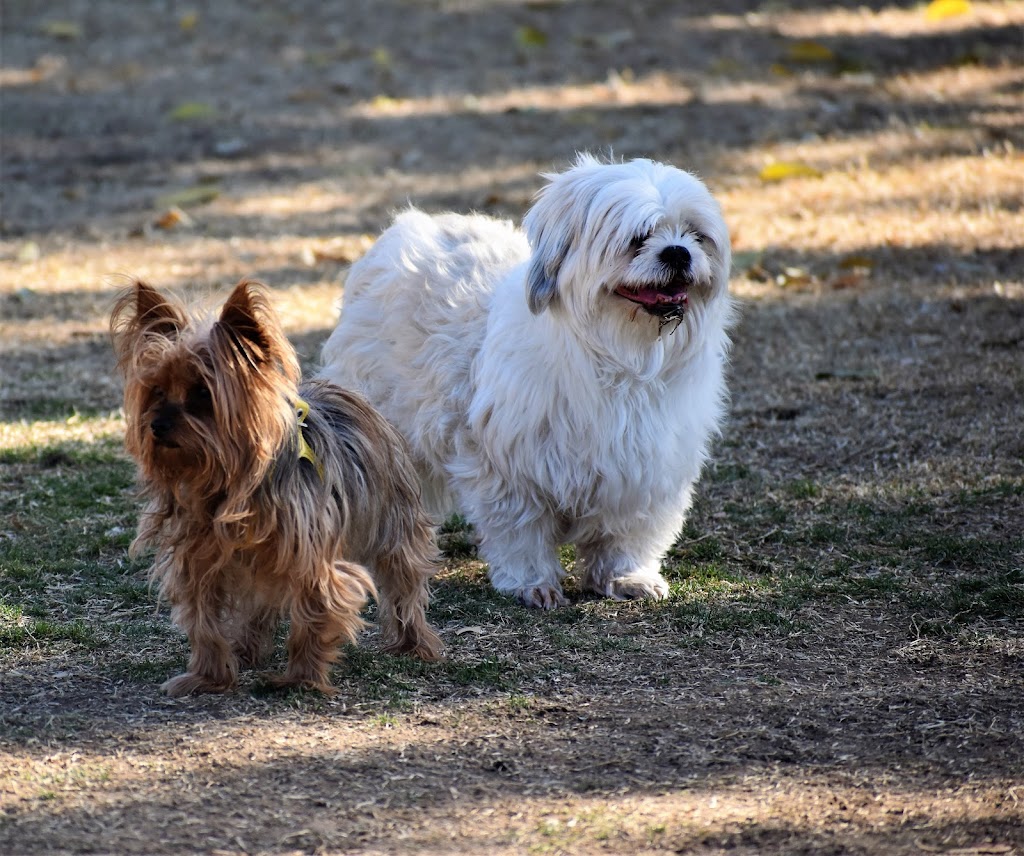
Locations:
(421, 642)
(191, 683)
(298, 682)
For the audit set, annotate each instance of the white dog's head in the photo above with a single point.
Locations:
(627, 249)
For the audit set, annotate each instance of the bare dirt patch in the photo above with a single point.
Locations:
(840, 667)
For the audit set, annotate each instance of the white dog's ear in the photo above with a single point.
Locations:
(553, 225)
(549, 230)
(542, 276)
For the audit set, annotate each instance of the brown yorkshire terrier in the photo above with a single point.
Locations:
(265, 497)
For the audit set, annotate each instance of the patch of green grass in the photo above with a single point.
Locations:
(48, 409)
(465, 597)
(455, 523)
(1004, 488)
(567, 555)
(488, 673)
(568, 614)
(617, 644)
(727, 473)
(455, 538)
(519, 703)
(714, 597)
(962, 553)
(695, 550)
(734, 616)
(68, 510)
(380, 676)
(32, 632)
(995, 596)
(825, 532)
(52, 456)
(803, 489)
(149, 671)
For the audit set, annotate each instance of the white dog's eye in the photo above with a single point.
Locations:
(637, 242)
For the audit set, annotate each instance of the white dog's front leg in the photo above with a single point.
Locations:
(523, 562)
(612, 570)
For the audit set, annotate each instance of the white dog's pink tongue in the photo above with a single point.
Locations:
(651, 296)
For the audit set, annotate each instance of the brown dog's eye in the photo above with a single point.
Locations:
(199, 402)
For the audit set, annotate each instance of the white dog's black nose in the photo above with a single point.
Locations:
(677, 258)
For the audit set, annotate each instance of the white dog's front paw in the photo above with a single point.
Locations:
(633, 587)
(542, 597)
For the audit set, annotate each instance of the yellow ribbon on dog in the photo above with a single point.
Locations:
(305, 450)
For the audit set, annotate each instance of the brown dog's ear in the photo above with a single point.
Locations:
(247, 321)
(155, 313)
(142, 311)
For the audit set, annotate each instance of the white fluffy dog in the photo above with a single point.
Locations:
(558, 386)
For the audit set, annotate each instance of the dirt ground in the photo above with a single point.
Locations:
(878, 369)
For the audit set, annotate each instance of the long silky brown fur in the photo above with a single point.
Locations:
(245, 530)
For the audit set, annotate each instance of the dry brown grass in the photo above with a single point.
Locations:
(839, 668)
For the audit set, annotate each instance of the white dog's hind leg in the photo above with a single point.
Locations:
(611, 571)
(523, 562)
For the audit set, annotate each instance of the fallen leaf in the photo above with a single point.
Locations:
(192, 111)
(188, 22)
(793, 276)
(531, 37)
(939, 10)
(172, 218)
(66, 31)
(809, 51)
(781, 170)
(847, 280)
(382, 59)
(759, 273)
(189, 197)
(850, 262)
(303, 96)
(385, 102)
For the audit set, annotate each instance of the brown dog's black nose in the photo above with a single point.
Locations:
(164, 421)
(677, 258)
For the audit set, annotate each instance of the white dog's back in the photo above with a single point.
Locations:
(412, 324)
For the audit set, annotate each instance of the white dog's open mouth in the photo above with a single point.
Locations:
(670, 299)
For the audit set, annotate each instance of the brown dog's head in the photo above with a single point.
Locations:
(208, 401)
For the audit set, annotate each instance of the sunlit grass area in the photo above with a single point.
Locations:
(838, 666)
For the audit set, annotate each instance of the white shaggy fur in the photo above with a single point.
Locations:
(540, 402)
